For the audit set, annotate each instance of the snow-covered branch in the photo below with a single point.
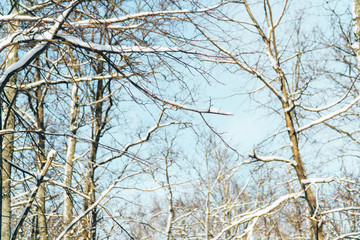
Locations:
(91, 22)
(259, 212)
(330, 115)
(341, 210)
(310, 109)
(272, 159)
(17, 17)
(39, 48)
(351, 235)
(317, 180)
(32, 85)
(116, 49)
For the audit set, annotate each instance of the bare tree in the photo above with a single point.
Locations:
(125, 54)
(100, 81)
(296, 80)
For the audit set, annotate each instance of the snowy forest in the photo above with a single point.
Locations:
(180, 119)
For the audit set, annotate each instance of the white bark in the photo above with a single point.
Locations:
(68, 205)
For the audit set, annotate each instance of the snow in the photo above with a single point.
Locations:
(24, 61)
(143, 14)
(38, 49)
(273, 62)
(351, 235)
(52, 153)
(355, 46)
(325, 107)
(260, 212)
(290, 108)
(209, 110)
(330, 115)
(273, 158)
(115, 49)
(341, 210)
(317, 180)
(8, 40)
(11, 17)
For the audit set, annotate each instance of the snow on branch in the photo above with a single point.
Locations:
(340, 210)
(317, 180)
(116, 49)
(272, 159)
(28, 86)
(185, 107)
(310, 109)
(259, 212)
(330, 115)
(16, 17)
(91, 22)
(352, 235)
(109, 23)
(39, 48)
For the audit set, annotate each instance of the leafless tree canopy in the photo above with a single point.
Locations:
(112, 115)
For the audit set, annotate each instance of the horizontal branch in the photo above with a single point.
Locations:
(68, 188)
(74, 41)
(272, 159)
(32, 85)
(84, 139)
(317, 180)
(340, 210)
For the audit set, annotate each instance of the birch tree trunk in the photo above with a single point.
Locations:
(7, 140)
(68, 204)
(41, 159)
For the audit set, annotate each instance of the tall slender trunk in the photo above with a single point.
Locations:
(41, 158)
(90, 225)
(301, 174)
(7, 140)
(68, 174)
(171, 215)
(68, 204)
(299, 167)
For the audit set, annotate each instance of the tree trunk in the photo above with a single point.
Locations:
(301, 174)
(8, 122)
(68, 204)
(90, 225)
(41, 158)
(300, 168)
